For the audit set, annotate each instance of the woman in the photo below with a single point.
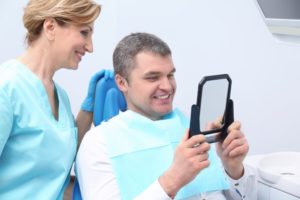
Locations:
(38, 134)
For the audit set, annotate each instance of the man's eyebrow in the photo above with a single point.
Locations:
(158, 73)
(152, 73)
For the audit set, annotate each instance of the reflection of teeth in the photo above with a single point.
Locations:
(163, 97)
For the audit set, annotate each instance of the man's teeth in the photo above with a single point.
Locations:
(163, 97)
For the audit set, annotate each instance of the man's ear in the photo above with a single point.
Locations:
(121, 82)
(49, 28)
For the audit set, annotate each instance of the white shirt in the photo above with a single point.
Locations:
(97, 179)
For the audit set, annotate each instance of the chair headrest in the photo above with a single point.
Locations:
(109, 100)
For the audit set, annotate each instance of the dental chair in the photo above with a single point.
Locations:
(109, 100)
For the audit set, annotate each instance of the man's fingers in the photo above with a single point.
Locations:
(195, 141)
(185, 136)
(201, 161)
(201, 148)
(235, 126)
(241, 150)
(234, 144)
(234, 132)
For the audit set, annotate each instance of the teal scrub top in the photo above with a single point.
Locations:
(36, 150)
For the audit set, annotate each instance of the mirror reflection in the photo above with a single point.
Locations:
(213, 103)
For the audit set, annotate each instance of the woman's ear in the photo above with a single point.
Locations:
(49, 27)
(121, 82)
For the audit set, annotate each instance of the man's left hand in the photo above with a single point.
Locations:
(233, 151)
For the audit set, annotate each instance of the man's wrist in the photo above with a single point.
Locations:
(168, 183)
(235, 172)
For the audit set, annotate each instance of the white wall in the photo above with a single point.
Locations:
(207, 37)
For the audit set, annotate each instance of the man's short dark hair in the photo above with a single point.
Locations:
(127, 49)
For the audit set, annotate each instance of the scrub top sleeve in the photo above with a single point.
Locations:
(6, 119)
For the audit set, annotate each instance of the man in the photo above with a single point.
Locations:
(143, 153)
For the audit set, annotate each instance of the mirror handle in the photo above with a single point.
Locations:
(229, 118)
(194, 123)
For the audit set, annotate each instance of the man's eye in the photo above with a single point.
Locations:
(152, 78)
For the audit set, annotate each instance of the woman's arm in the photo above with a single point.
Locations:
(84, 121)
(6, 119)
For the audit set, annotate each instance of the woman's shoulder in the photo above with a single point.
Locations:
(8, 66)
(9, 71)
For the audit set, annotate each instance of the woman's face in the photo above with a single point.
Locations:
(71, 43)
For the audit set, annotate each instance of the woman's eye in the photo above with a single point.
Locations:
(171, 75)
(85, 33)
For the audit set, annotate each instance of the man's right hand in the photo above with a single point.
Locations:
(191, 157)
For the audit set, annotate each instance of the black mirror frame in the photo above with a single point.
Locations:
(195, 111)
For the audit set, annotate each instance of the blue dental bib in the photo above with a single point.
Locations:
(141, 150)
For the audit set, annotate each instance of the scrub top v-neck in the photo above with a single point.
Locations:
(36, 149)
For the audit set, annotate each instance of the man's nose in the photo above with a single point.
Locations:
(165, 84)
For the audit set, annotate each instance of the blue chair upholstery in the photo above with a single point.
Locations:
(109, 100)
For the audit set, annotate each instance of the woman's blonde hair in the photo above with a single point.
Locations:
(75, 12)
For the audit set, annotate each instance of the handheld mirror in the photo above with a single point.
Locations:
(213, 104)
